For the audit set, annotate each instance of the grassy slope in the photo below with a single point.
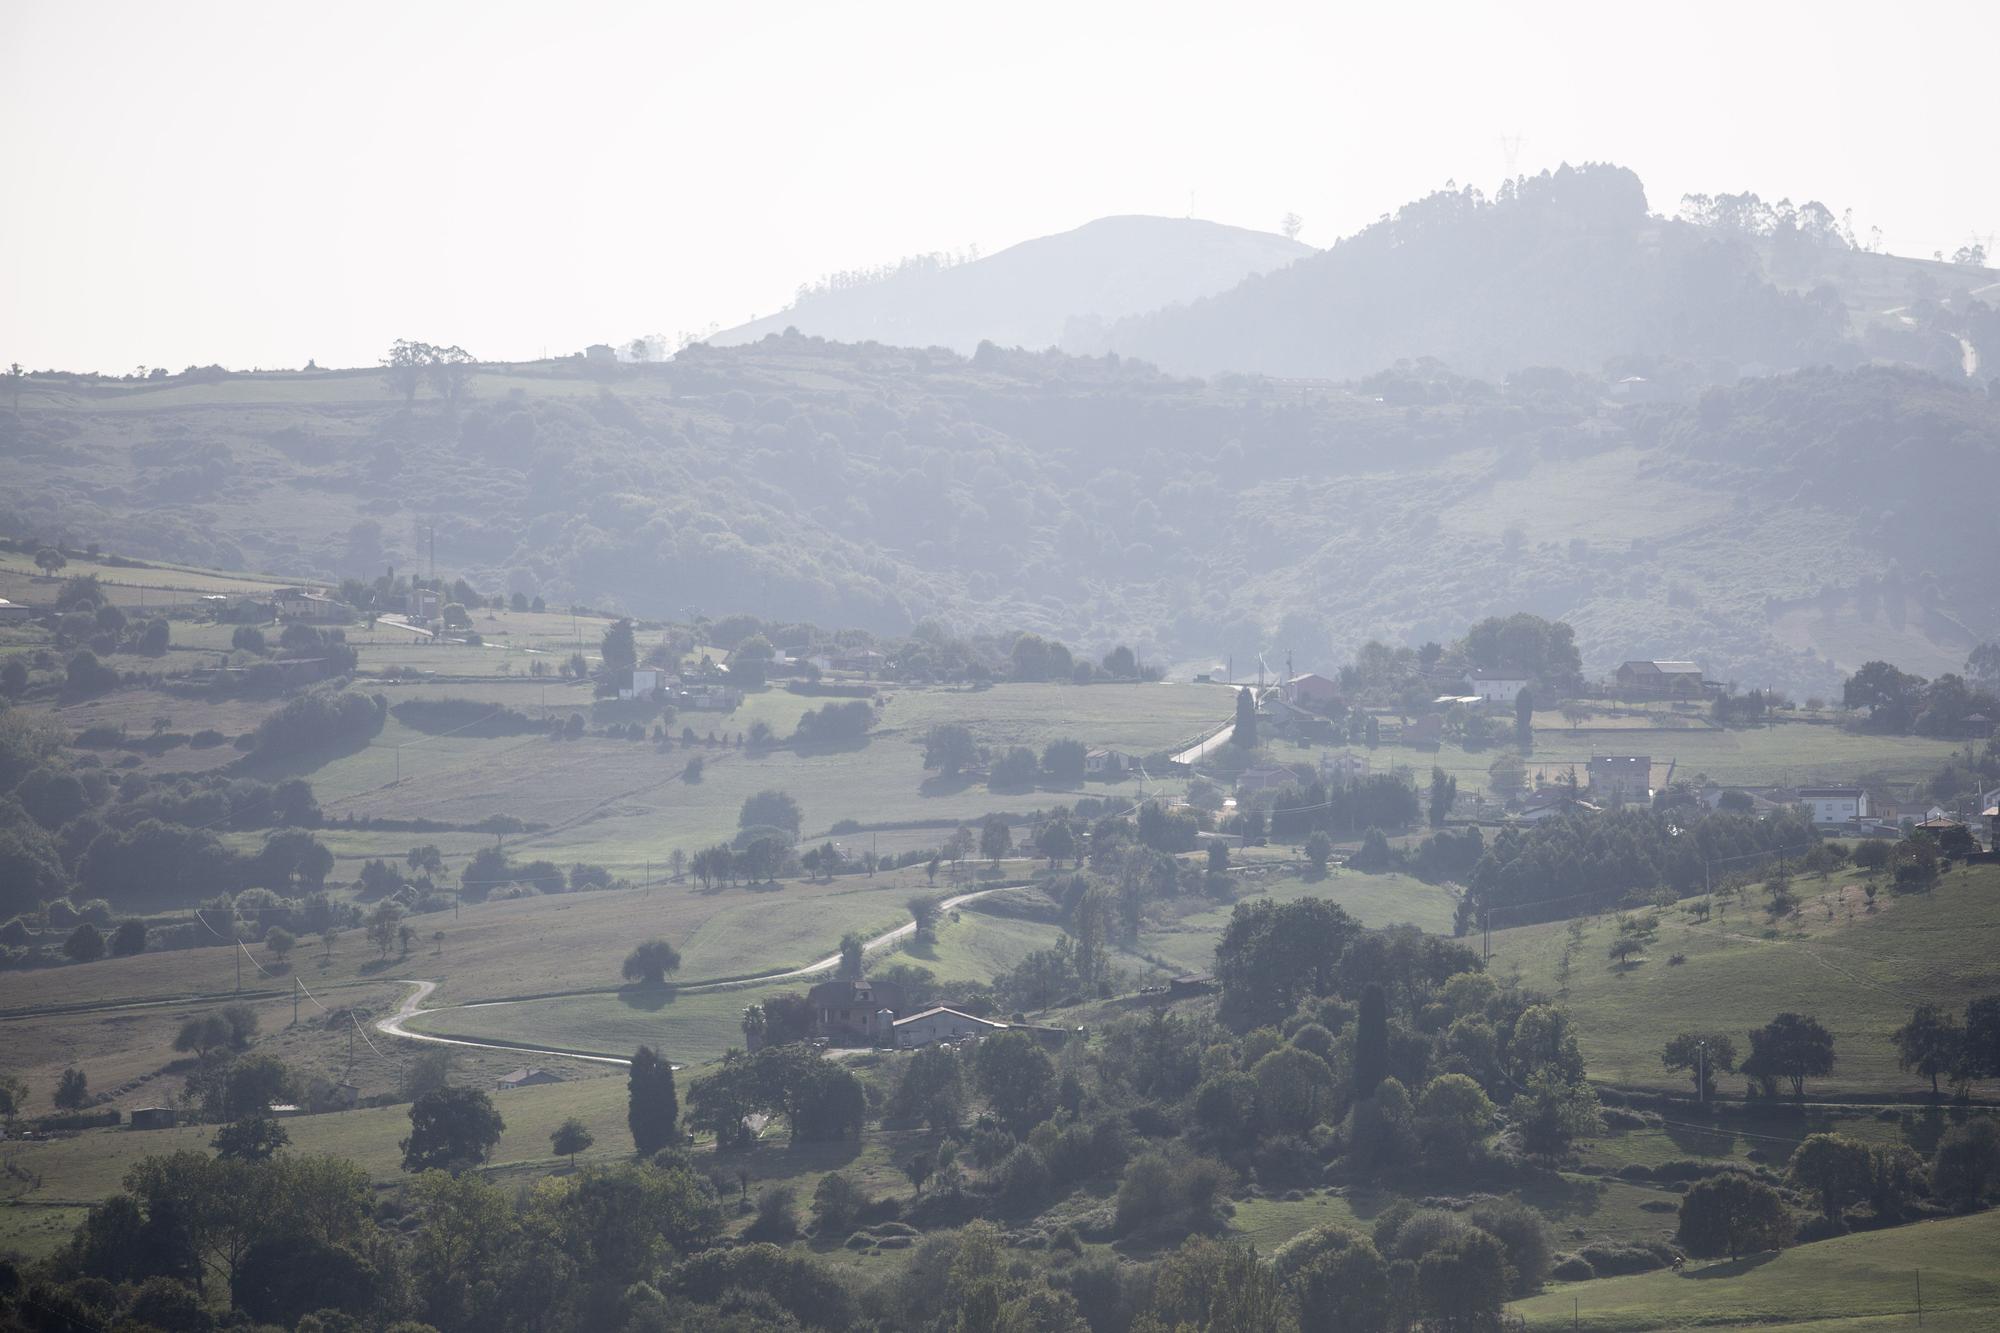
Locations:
(1851, 1281)
(1860, 973)
(1374, 900)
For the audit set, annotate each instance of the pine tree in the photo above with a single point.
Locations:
(653, 1108)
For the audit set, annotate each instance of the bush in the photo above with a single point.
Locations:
(1608, 1260)
(837, 1204)
(1022, 1180)
(1572, 1268)
(777, 1215)
(319, 721)
(1524, 1235)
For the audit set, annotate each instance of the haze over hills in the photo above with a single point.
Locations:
(1567, 269)
(1034, 294)
(1780, 532)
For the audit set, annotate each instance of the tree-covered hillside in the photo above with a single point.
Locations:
(1570, 269)
(1092, 499)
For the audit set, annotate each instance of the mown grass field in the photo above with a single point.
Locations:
(527, 946)
(1373, 900)
(1859, 972)
(1858, 1281)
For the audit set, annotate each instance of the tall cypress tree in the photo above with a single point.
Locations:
(1245, 734)
(1371, 1042)
(653, 1108)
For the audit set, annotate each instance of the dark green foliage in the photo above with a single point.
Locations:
(1014, 771)
(319, 721)
(652, 1102)
(1967, 1164)
(1017, 1079)
(72, 1090)
(1565, 865)
(451, 1129)
(770, 809)
(1371, 1042)
(836, 722)
(128, 939)
(1792, 1047)
(650, 962)
(1931, 1043)
(1272, 955)
(1731, 1214)
(1245, 733)
(85, 944)
(252, 1139)
(282, 1279)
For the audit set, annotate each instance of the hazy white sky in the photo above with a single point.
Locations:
(257, 184)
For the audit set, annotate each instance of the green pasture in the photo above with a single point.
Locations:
(1859, 972)
(1859, 1281)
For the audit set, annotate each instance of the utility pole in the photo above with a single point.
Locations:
(1701, 1073)
(295, 1001)
(1920, 1298)
(1488, 919)
(239, 967)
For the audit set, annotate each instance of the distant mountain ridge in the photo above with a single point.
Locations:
(1038, 294)
(1570, 270)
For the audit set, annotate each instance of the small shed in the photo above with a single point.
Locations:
(526, 1078)
(155, 1117)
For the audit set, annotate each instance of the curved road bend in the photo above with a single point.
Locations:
(395, 1025)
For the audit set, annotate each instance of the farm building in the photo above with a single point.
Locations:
(1101, 762)
(1498, 687)
(855, 1010)
(1311, 690)
(645, 680)
(1835, 805)
(13, 613)
(1343, 767)
(1659, 680)
(940, 1024)
(1549, 802)
(1268, 777)
(298, 604)
(526, 1078)
(1628, 776)
(155, 1117)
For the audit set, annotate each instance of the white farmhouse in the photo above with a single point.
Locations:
(1834, 805)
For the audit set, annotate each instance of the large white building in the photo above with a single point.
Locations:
(941, 1024)
(1834, 805)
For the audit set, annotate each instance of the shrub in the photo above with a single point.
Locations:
(313, 722)
(837, 1204)
(1572, 1268)
(1022, 1180)
(777, 1215)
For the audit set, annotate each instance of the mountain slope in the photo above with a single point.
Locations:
(1029, 294)
(1569, 269)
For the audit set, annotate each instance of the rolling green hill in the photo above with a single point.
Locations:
(1094, 501)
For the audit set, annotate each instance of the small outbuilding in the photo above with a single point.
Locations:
(155, 1117)
(526, 1077)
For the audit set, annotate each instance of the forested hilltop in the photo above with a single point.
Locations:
(1781, 532)
(1571, 268)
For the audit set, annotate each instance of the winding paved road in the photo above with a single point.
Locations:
(396, 1024)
